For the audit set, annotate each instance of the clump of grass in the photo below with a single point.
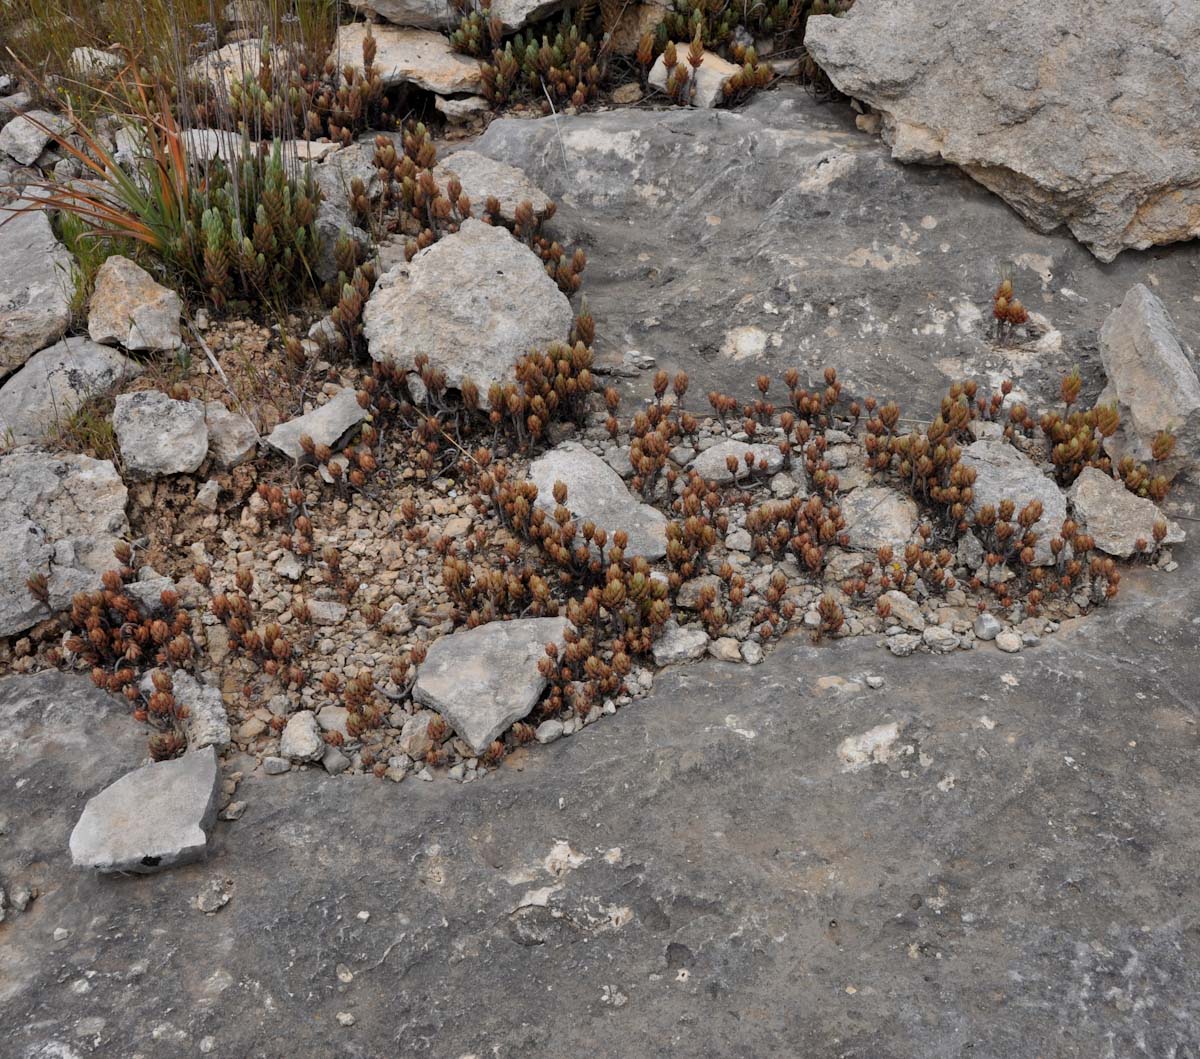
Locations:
(87, 429)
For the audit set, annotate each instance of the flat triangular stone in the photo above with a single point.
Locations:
(596, 493)
(483, 679)
(153, 818)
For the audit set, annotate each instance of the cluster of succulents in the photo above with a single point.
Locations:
(120, 639)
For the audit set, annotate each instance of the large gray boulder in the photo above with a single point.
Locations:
(129, 308)
(779, 236)
(596, 493)
(1152, 377)
(59, 517)
(54, 383)
(153, 818)
(35, 286)
(1004, 473)
(25, 137)
(409, 56)
(474, 302)
(158, 435)
(483, 679)
(1078, 113)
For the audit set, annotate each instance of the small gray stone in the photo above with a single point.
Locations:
(783, 485)
(301, 739)
(326, 611)
(276, 766)
(333, 719)
(232, 438)
(680, 644)
(208, 495)
(1116, 518)
(903, 644)
(207, 722)
(708, 89)
(153, 818)
(158, 435)
(712, 467)
(483, 679)
(739, 540)
(940, 641)
(752, 653)
(1009, 641)
(725, 648)
(688, 596)
(334, 761)
(877, 516)
(875, 682)
(548, 731)
(987, 626)
(325, 425)
(25, 137)
(596, 493)
(905, 610)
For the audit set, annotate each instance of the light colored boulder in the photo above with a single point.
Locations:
(482, 176)
(596, 493)
(1004, 473)
(130, 309)
(409, 56)
(707, 85)
(153, 818)
(483, 679)
(1152, 377)
(1114, 517)
(92, 63)
(54, 383)
(158, 435)
(301, 739)
(474, 302)
(1080, 112)
(35, 286)
(59, 517)
(228, 65)
(325, 424)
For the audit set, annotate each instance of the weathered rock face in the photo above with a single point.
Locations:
(729, 243)
(59, 517)
(707, 83)
(207, 722)
(483, 679)
(877, 516)
(413, 56)
(635, 20)
(474, 302)
(158, 435)
(517, 13)
(1003, 473)
(34, 287)
(53, 384)
(150, 819)
(416, 14)
(1115, 518)
(1076, 114)
(713, 463)
(230, 64)
(130, 309)
(596, 493)
(482, 177)
(325, 424)
(1152, 377)
(25, 137)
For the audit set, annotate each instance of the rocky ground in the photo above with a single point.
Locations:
(897, 795)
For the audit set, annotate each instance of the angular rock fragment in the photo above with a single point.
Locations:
(707, 89)
(414, 14)
(153, 818)
(483, 679)
(482, 177)
(301, 739)
(414, 56)
(232, 438)
(473, 302)
(1152, 377)
(877, 516)
(54, 383)
(158, 435)
(25, 137)
(326, 424)
(680, 643)
(207, 722)
(35, 286)
(130, 309)
(1114, 517)
(1003, 473)
(596, 493)
(60, 518)
(713, 464)
(1076, 113)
